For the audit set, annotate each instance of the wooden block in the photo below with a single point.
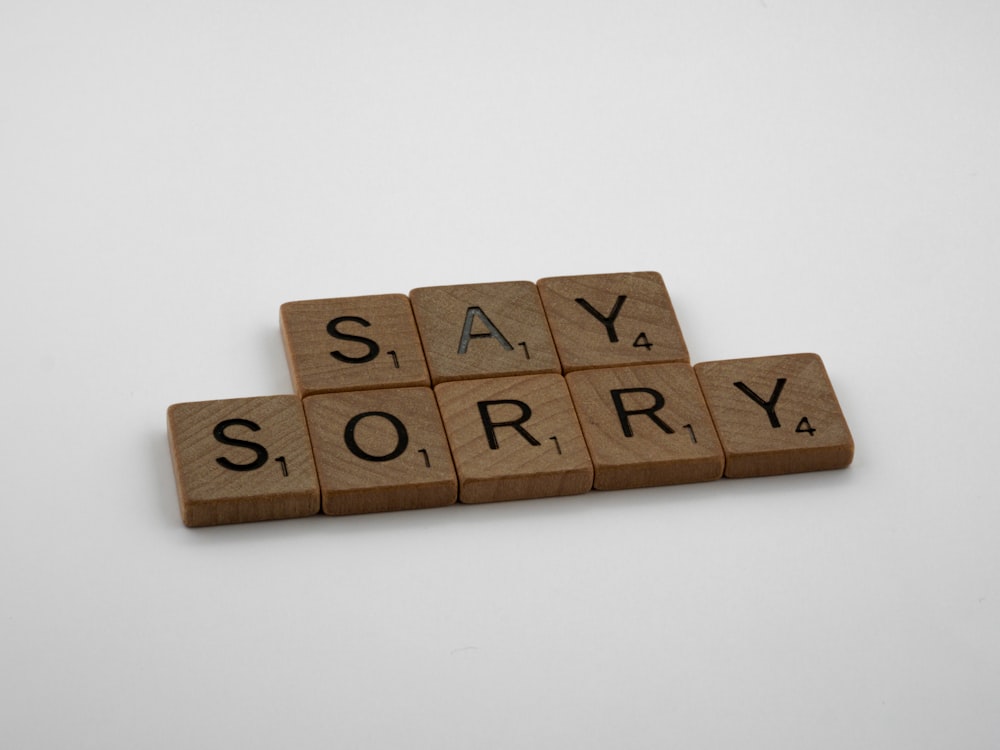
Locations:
(776, 415)
(352, 343)
(514, 438)
(483, 330)
(244, 459)
(606, 320)
(380, 450)
(645, 426)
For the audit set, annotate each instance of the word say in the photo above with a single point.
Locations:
(480, 393)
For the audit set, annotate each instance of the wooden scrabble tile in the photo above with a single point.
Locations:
(646, 425)
(514, 438)
(776, 415)
(244, 459)
(380, 450)
(605, 320)
(483, 330)
(352, 343)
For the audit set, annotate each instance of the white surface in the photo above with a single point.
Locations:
(806, 176)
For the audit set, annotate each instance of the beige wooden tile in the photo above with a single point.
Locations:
(646, 425)
(380, 450)
(605, 320)
(514, 438)
(245, 459)
(776, 415)
(352, 343)
(483, 330)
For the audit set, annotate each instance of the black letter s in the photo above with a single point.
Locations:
(331, 328)
(220, 434)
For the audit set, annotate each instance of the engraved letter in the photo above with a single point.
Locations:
(624, 414)
(470, 316)
(220, 434)
(609, 321)
(490, 426)
(767, 406)
(402, 438)
(331, 328)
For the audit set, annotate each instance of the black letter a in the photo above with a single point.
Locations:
(470, 316)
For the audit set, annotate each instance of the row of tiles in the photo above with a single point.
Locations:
(492, 439)
(444, 333)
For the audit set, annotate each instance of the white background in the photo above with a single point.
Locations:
(806, 176)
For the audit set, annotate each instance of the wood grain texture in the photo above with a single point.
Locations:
(352, 343)
(645, 426)
(239, 460)
(380, 450)
(776, 415)
(606, 320)
(514, 438)
(483, 330)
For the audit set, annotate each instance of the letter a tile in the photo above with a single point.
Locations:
(514, 438)
(380, 450)
(646, 426)
(352, 343)
(776, 415)
(605, 320)
(244, 459)
(483, 330)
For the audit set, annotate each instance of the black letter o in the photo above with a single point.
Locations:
(402, 438)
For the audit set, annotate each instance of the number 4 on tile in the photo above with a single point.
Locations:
(641, 342)
(804, 426)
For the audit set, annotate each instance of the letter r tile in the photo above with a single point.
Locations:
(352, 343)
(380, 450)
(611, 319)
(483, 330)
(776, 415)
(243, 459)
(646, 426)
(514, 438)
